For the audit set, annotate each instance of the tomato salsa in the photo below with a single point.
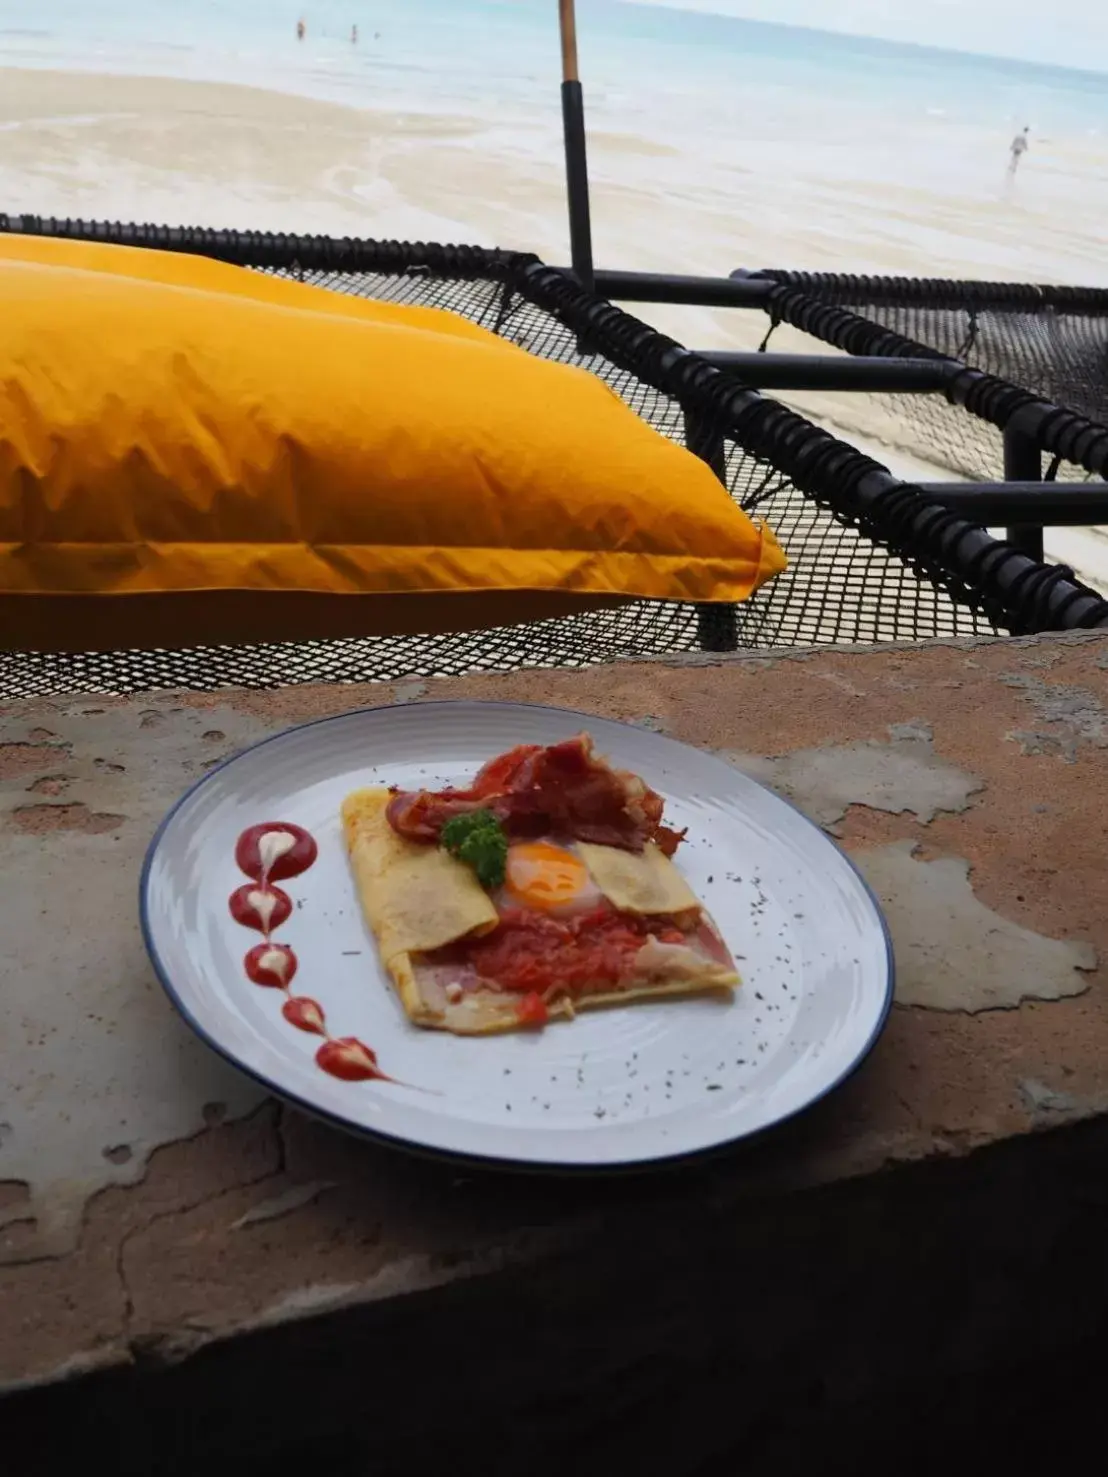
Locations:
(534, 953)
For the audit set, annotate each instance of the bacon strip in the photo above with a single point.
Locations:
(563, 790)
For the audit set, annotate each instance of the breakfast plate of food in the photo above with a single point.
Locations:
(515, 934)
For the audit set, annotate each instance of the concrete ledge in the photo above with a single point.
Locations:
(163, 1224)
(945, 1316)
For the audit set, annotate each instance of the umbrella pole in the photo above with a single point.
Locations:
(577, 169)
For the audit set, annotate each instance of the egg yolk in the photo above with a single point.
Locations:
(544, 876)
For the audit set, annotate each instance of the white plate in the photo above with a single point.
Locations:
(615, 1088)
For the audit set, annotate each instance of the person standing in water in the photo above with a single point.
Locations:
(1020, 147)
(300, 28)
(353, 35)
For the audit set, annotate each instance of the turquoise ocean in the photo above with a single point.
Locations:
(423, 53)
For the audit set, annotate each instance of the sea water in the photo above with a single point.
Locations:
(727, 83)
(802, 133)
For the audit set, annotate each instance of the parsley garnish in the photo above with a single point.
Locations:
(479, 840)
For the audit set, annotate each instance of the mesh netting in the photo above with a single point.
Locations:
(840, 586)
(1050, 341)
(870, 559)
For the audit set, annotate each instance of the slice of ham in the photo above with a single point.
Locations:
(563, 790)
(475, 986)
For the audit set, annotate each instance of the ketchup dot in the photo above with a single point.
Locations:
(289, 864)
(349, 1059)
(264, 969)
(305, 1014)
(244, 909)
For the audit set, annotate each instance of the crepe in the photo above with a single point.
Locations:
(418, 899)
(643, 882)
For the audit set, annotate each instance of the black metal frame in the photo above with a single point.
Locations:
(996, 504)
(883, 362)
(918, 527)
(577, 184)
(1031, 425)
(1023, 462)
(941, 293)
(745, 291)
(872, 374)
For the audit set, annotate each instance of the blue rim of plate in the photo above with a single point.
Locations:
(497, 1161)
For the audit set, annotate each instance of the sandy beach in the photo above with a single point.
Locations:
(183, 151)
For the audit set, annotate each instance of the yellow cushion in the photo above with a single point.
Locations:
(191, 451)
(178, 269)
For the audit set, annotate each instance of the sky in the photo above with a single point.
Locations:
(1059, 32)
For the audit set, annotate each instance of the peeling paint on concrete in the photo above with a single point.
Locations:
(13, 1192)
(416, 1273)
(100, 1063)
(1042, 1100)
(954, 953)
(49, 784)
(400, 1278)
(754, 658)
(844, 684)
(913, 732)
(1076, 715)
(408, 692)
(283, 1204)
(39, 820)
(1044, 743)
(27, 758)
(904, 775)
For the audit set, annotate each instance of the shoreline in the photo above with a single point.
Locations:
(498, 177)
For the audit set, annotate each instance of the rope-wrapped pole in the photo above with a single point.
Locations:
(577, 169)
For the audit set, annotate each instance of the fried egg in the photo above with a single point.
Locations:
(545, 878)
